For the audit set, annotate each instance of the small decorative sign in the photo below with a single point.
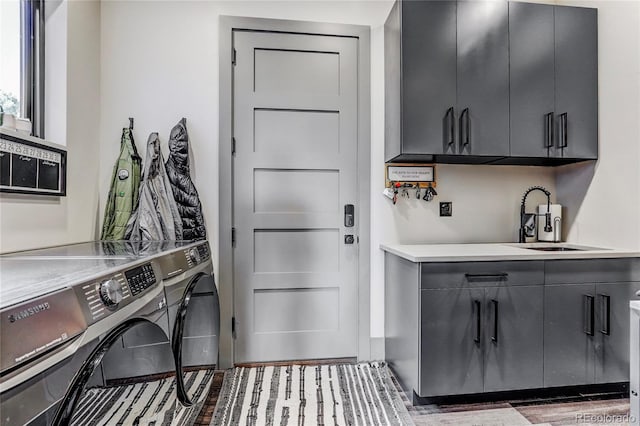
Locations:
(30, 167)
(417, 174)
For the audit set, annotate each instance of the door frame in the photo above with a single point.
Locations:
(227, 24)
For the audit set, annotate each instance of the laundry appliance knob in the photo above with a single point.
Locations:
(194, 255)
(111, 292)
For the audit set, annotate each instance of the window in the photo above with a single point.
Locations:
(22, 60)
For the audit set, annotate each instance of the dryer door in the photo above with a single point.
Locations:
(195, 339)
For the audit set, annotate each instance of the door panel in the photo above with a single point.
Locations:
(532, 79)
(483, 78)
(451, 354)
(568, 351)
(429, 76)
(576, 59)
(513, 338)
(612, 349)
(295, 126)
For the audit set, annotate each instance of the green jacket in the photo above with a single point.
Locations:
(123, 195)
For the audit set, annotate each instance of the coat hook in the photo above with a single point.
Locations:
(130, 123)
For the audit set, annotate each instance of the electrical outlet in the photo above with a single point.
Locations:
(446, 208)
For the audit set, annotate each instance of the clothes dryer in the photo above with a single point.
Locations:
(193, 309)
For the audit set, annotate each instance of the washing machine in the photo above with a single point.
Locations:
(60, 317)
(194, 312)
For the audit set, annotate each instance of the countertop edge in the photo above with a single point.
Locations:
(526, 256)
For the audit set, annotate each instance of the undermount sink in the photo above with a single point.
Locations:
(554, 248)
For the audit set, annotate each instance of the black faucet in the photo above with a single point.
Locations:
(524, 217)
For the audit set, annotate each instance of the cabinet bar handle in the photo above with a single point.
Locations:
(494, 338)
(450, 125)
(493, 275)
(464, 118)
(606, 314)
(478, 324)
(588, 314)
(549, 130)
(563, 127)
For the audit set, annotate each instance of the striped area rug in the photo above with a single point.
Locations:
(346, 394)
(151, 403)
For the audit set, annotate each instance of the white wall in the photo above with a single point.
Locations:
(72, 104)
(603, 200)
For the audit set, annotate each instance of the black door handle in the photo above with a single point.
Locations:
(606, 314)
(499, 275)
(494, 337)
(478, 321)
(450, 126)
(588, 314)
(466, 124)
(549, 130)
(563, 140)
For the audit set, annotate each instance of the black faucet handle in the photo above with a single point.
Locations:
(547, 222)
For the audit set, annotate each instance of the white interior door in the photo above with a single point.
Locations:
(295, 168)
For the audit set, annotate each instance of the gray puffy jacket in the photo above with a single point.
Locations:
(157, 216)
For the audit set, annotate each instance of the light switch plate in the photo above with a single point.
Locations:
(446, 208)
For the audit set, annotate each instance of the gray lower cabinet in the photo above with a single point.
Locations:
(586, 333)
(451, 358)
(462, 328)
(513, 344)
(568, 348)
(480, 340)
(612, 330)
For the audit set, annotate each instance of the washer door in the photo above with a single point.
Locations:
(195, 338)
(90, 399)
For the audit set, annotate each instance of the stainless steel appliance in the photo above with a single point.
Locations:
(194, 311)
(63, 311)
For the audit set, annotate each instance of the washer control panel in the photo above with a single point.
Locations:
(140, 278)
(197, 255)
(110, 293)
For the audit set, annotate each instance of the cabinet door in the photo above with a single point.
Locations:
(451, 342)
(428, 76)
(576, 61)
(483, 78)
(612, 331)
(569, 321)
(513, 338)
(532, 80)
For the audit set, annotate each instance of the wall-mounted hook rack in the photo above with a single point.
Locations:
(421, 175)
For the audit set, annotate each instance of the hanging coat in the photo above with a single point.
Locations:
(156, 217)
(123, 194)
(184, 191)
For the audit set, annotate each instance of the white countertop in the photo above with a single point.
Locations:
(498, 251)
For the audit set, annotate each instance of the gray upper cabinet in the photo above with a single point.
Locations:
(576, 59)
(483, 82)
(428, 77)
(532, 75)
(554, 82)
(483, 78)
(447, 81)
